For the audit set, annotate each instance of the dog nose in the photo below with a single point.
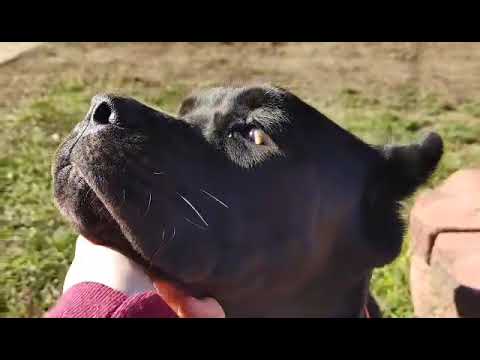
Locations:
(103, 112)
(119, 111)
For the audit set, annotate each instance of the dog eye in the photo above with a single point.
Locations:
(259, 137)
(252, 134)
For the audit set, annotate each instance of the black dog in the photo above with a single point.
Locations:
(249, 195)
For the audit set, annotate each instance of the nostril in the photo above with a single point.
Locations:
(102, 114)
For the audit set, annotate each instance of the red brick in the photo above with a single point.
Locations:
(445, 262)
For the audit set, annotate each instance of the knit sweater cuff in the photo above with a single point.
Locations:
(93, 300)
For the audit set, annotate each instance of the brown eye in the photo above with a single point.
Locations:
(252, 133)
(259, 137)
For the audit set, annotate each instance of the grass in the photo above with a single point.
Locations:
(36, 244)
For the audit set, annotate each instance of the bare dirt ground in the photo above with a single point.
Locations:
(10, 50)
(313, 70)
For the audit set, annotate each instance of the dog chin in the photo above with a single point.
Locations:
(80, 205)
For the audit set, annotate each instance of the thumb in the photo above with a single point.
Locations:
(201, 308)
(186, 306)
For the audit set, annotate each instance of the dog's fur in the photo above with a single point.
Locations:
(292, 227)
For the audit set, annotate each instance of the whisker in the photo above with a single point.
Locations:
(194, 209)
(156, 251)
(149, 202)
(195, 224)
(85, 197)
(158, 173)
(214, 198)
(124, 194)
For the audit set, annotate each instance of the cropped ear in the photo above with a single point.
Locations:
(398, 174)
(410, 166)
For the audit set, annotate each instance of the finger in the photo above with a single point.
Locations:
(201, 308)
(170, 294)
(186, 306)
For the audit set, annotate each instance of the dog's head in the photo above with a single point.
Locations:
(248, 194)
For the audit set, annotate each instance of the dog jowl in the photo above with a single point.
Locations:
(248, 195)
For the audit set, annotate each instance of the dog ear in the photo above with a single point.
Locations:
(401, 170)
(410, 166)
(187, 105)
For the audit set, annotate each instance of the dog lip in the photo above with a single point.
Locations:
(155, 269)
(72, 166)
(78, 169)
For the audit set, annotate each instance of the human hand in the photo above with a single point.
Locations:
(99, 264)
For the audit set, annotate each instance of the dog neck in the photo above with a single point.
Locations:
(326, 297)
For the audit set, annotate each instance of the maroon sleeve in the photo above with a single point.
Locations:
(92, 300)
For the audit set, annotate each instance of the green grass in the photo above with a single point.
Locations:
(36, 244)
